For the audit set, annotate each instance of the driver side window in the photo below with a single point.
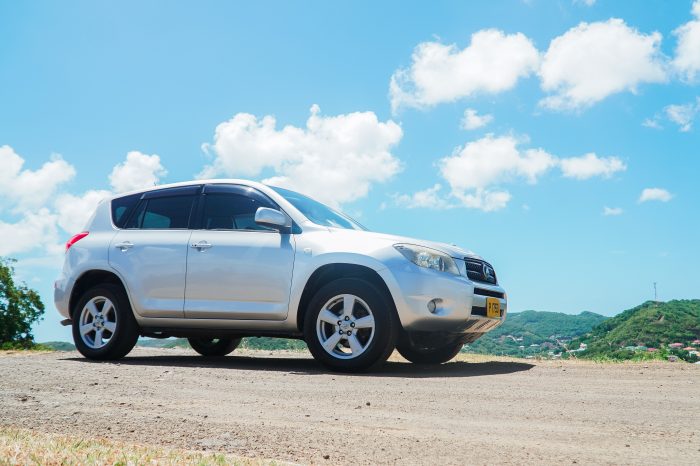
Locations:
(229, 211)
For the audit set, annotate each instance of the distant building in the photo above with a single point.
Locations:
(676, 345)
(583, 346)
(688, 348)
(652, 350)
(696, 342)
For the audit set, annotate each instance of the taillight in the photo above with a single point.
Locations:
(75, 239)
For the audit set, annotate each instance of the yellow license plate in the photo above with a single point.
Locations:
(493, 308)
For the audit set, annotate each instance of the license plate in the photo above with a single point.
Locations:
(493, 308)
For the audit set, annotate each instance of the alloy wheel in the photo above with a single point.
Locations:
(345, 326)
(98, 322)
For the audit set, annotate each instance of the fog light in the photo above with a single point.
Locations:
(433, 305)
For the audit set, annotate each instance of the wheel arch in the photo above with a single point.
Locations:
(90, 279)
(329, 272)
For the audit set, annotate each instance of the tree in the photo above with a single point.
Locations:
(20, 308)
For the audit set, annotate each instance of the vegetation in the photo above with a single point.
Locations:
(531, 333)
(272, 344)
(21, 446)
(646, 332)
(58, 345)
(253, 343)
(20, 308)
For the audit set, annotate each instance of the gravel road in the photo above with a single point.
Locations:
(476, 410)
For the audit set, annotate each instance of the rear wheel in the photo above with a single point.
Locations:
(350, 325)
(428, 355)
(214, 346)
(103, 323)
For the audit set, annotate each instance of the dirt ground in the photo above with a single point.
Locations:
(283, 406)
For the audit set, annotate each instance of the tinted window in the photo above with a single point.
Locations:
(232, 211)
(162, 213)
(121, 208)
(318, 213)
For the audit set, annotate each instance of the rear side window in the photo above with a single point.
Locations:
(163, 213)
(121, 207)
(224, 211)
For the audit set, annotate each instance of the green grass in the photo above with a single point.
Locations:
(12, 346)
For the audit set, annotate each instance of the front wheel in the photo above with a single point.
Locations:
(214, 346)
(350, 326)
(428, 355)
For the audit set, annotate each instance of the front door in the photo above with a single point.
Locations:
(237, 269)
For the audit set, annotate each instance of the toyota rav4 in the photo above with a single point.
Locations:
(218, 260)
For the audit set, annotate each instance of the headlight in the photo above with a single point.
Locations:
(428, 258)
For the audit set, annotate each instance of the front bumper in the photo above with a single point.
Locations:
(462, 302)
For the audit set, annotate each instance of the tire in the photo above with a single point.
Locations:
(104, 327)
(370, 327)
(423, 355)
(214, 346)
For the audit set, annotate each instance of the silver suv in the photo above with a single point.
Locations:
(218, 260)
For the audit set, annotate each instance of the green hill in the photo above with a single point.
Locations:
(59, 345)
(530, 333)
(650, 325)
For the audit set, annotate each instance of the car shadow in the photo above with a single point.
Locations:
(309, 366)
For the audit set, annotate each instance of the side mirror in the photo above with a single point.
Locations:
(272, 218)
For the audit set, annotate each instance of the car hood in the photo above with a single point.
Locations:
(450, 249)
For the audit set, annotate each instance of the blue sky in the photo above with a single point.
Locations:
(574, 108)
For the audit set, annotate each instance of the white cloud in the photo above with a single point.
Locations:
(687, 59)
(472, 120)
(477, 173)
(585, 2)
(594, 60)
(492, 63)
(492, 160)
(683, 115)
(28, 189)
(484, 199)
(590, 165)
(473, 169)
(655, 194)
(138, 171)
(652, 123)
(428, 198)
(612, 211)
(35, 230)
(45, 211)
(75, 211)
(335, 159)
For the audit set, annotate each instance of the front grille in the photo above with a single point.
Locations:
(480, 271)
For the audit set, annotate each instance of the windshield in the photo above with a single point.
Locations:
(318, 213)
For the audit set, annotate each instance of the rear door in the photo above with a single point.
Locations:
(237, 269)
(150, 252)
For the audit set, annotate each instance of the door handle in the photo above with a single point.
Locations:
(124, 245)
(201, 245)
